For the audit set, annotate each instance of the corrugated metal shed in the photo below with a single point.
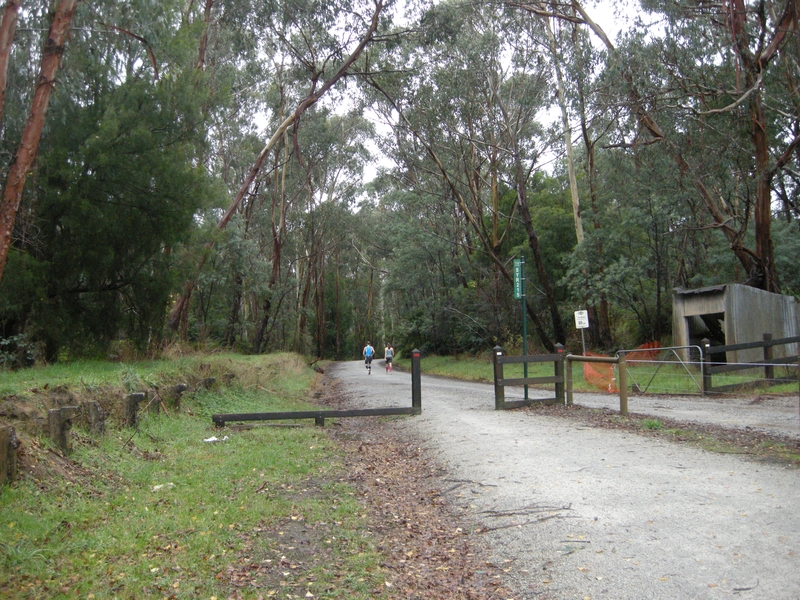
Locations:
(733, 314)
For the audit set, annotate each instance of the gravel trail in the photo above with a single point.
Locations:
(580, 512)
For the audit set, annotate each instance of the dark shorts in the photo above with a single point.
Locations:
(389, 360)
(368, 359)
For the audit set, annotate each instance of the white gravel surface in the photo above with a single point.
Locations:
(578, 512)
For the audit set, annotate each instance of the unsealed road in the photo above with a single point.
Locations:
(579, 512)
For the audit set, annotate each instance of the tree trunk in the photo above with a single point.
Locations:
(562, 102)
(229, 339)
(311, 98)
(201, 54)
(31, 134)
(7, 29)
(338, 307)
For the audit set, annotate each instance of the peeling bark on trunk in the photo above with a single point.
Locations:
(32, 133)
(7, 29)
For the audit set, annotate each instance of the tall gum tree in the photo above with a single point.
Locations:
(32, 133)
(746, 38)
(473, 118)
(321, 80)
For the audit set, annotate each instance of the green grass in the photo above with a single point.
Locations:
(647, 376)
(158, 512)
(482, 370)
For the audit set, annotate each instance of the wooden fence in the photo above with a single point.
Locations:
(710, 367)
(501, 382)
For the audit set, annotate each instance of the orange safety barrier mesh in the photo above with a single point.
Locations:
(648, 351)
(601, 375)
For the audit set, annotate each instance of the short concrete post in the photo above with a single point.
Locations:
(132, 408)
(93, 417)
(769, 370)
(59, 421)
(8, 455)
(175, 393)
(559, 372)
(416, 382)
(499, 391)
(705, 366)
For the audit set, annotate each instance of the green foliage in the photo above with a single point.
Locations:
(652, 424)
(117, 189)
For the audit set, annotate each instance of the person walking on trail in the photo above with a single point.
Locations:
(368, 353)
(388, 354)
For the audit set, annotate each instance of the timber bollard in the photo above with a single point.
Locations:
(568, 379)
(499, 392)
(559, 372)
(769, 370)
(622, 380)
(416, 386)
(8, 455)
(59, 421)
(132, 407)
(705, 365)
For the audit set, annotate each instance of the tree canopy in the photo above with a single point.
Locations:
(311, 175)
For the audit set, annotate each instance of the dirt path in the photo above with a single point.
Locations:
(580, 512)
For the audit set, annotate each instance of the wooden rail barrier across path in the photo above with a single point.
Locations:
(501, 382)
(622, 374)
(768, 364)
(319, 416)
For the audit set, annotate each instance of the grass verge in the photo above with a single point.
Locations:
(649, 377)
(159, 512)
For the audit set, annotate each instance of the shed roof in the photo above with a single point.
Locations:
(704, 290)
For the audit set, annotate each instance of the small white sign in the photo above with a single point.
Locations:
(581, 319)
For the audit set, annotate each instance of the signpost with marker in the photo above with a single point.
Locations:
(582, 322)
(519, 294)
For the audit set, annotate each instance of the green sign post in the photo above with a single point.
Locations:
(519, 294)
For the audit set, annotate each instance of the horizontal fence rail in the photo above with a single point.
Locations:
(768, 363)
(320, 415)
(622, 371)
(501, 382)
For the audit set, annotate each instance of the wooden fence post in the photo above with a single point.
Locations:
(769, 370)
(705, 366)
(416, 382)
(568, 379)
(559, 372)
(499, 393)
(622, 367)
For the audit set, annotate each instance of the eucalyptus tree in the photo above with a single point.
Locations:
(720, 76)
(28, 146)
(467, 127)
(117, 181)
(323, 42)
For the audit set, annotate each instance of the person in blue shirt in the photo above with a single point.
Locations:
(368, 353)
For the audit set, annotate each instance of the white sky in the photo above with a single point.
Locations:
(612, 16)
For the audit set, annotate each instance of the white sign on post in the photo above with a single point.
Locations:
(581, 319)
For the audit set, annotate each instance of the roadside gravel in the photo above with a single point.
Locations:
(573, 511)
